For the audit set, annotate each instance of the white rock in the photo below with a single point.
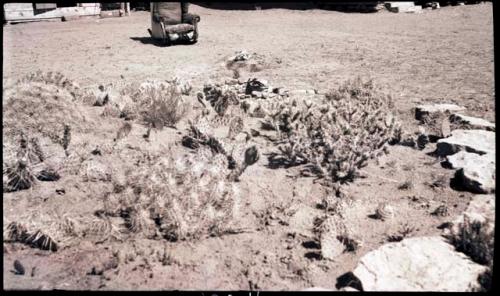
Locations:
(423, 110)
(313, 289)
(481, 207)
(418, 264)
(349, 289)
(331, 247)
(478, 177)
(414, 9)
(475, 141)
(463, 159)
(473, 122)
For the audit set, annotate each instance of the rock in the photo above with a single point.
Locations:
(414, 9)
(313, 289)
(257, 94)
(481, 208)
(465, 159)
(475, 141)
(422, 111)
(478, 177)
(331, 247)
(349, 289)
(472, 122)
(418, 264)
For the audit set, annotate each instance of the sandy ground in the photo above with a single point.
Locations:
(443, 55)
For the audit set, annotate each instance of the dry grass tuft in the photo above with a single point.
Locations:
(161, 104)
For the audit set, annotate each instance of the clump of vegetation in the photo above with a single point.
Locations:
(17, 232)
(404, 231)
(55, 78)
(161, 104)
(21, 166)
(406, 185)
(339, 134)
(239, 155)
(177, 199)
(477, 240)
(42, 105)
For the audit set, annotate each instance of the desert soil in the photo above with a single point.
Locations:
(443, 55)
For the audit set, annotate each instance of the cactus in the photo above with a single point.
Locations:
(339, 134)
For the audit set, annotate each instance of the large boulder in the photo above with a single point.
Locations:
(481, 209)
(472, 122)
(418, 264)
(475, 172)
(478, 177)
(422, 111)
(464, 159)
(475, 141)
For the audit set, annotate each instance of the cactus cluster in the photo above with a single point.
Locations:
(55, 78)
(177, 199)
(239, 155)
(338, 134)
(221, 97)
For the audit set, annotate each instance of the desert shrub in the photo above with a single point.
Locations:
(160, 104)
(339, 134)
(476, 239)
(177, 199)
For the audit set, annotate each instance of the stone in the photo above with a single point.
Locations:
(418, 264)
(349, 289)
(464, 159)
(414, 9)
(478, 177)
(472, 122)
(316, 289)
(475, 141)
(481, 208)
(422, 111)
(257, 94)
(331, 247)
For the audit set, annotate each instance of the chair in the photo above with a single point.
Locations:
(170, 22)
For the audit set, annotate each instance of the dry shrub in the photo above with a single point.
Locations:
(177, 199)
(477, 240)
(339, 134)
(161, 104)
